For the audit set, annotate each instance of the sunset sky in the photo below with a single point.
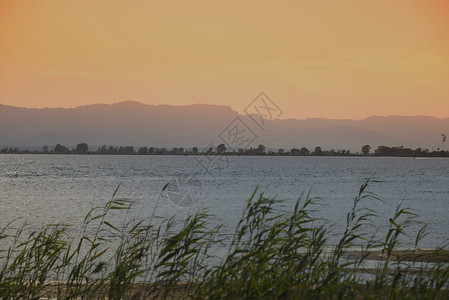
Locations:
(333, 59)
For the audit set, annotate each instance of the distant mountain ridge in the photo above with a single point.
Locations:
(138, 124)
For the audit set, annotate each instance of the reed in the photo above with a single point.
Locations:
(273, 254)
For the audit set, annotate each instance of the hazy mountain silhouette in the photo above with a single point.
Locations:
(137, 124)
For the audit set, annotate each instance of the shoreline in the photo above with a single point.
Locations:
(231, 154)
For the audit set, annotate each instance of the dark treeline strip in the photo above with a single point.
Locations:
(221, 149)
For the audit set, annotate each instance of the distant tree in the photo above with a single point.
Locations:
(260, 149)
(221, 149)
(304, 151)
(344, 152)
(195, 150)
(127, 150)
(394, 151)
(103, 149)
(318, 150)
(142, 151)
(382, 150)
(418, 152)
(294, 151)
(45, 149)
(174, 150)
(281, 151)
(11, 150)
(112, 150)
(365, 149)
(181, 150)
(151, 150)
(406, 152)
(161, 151)
(60, 149)
(82, 148)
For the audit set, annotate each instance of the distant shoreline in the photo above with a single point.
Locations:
(222, 150)
(431, 155)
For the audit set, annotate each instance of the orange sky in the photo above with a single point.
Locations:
(335, 59)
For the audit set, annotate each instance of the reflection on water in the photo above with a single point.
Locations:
(55, 188)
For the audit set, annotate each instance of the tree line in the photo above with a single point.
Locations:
(83, 148)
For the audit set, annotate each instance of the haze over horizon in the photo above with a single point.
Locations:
(131, 102)
(327, 59)
(138, 124)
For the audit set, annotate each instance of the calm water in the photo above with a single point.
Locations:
(55, 188)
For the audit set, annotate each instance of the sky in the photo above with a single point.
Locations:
(331, 59)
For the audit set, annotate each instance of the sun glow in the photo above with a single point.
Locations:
(348, 59)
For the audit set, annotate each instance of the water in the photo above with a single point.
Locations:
(62, 188)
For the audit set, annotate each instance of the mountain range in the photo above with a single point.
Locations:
(138, 124)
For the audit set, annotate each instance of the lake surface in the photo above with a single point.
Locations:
(62, 188)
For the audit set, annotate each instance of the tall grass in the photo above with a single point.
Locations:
(272, 254)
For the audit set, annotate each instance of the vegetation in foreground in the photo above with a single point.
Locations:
(273, 254)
